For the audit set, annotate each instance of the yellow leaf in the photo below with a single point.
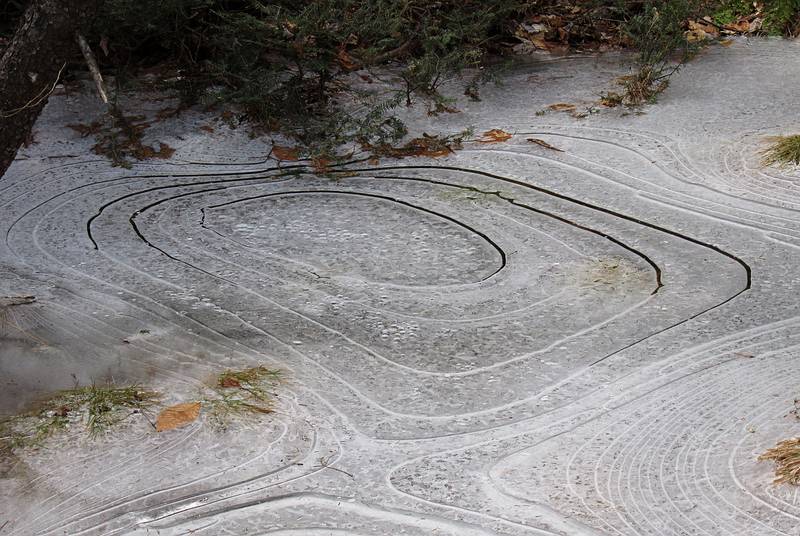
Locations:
(177, 416)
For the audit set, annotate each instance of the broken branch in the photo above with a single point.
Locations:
(91, 62)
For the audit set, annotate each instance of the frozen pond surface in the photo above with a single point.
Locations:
(510, 340)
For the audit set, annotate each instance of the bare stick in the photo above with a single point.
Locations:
(91, 62)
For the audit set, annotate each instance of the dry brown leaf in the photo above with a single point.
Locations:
(177, 416)
(166, 113)
(430, 146)
(495, 136)
(436, 153)
(544, 144)
(707, 29)
(164, 151)
(229, 382)
(540, 43)
(321, 164)
(86, 130)
(726, 42)
(9, 301)
(562, 107)
(741, 26)
(285, 153)
(346, 60)
(104, 45)
(207, 128)
(695, 36)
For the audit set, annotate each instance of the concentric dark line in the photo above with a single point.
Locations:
(499, 195)
(132, 221)
(147, 207)
(499, 250)
(511, 200)
(645, 257)
(288, 170)
(117, 179)
(748, 270)
(585, 204)
(469, 188)
(103, 207)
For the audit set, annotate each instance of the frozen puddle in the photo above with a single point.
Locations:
(511, 340)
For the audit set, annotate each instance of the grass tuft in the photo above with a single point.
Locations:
(786, 456)
(644, 87)
(97, 408)
(241, 392)
(783, 151)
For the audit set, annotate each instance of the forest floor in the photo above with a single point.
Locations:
(584, 322)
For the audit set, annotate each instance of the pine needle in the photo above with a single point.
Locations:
(786, 456)
(784, 151)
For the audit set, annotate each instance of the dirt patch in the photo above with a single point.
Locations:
(609, 274)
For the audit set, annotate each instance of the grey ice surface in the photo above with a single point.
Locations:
(510, 340)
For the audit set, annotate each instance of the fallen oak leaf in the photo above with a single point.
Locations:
(144, 152)
(562, 107)
(10, 301)
(703, 27)
(285, 153)
(86, 130)
(422, 147)
(740, 26)
(495, 135)
(166, 113)
(436, 153)
(164, 152)
(695, 36)
(430, 146)
(229, 382)
(346, 61)
(544, 144)
(177, 416)
(321, 164)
